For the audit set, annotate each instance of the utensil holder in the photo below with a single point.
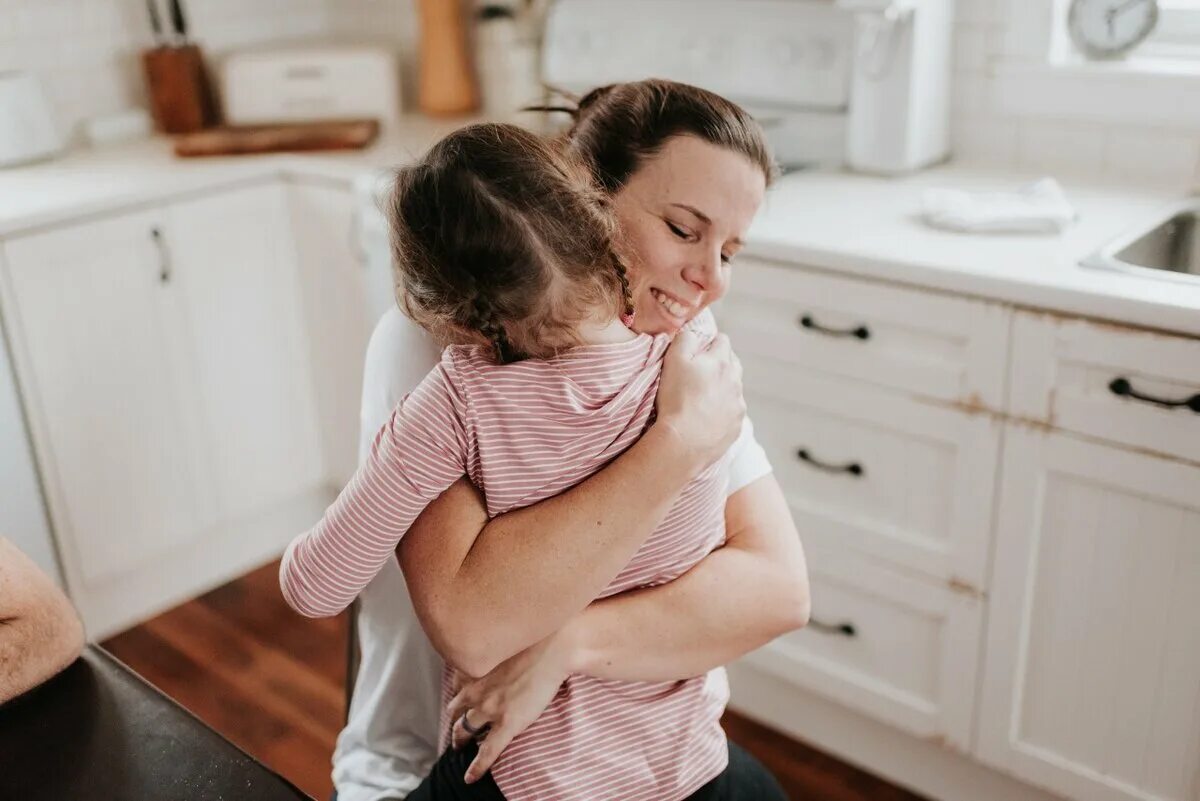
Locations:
(181, 99)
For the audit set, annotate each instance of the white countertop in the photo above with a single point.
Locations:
(852, 224)
(88, 182)
(870, 227)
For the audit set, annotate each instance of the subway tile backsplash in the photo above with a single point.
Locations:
(981, 132)
(86, 53)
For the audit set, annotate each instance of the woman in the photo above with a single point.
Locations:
(686, 171)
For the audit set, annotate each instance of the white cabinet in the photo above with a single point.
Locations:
(923, 344)
(901, 650)
(1092, 685)
(112, 401)
(895, 479)
(1130, 387)
(335, 288)
(234, 257)
(165, 368)
(869, 401)
(891, 415)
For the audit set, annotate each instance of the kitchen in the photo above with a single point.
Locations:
(979, 389)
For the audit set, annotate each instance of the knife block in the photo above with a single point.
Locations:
(181, 99)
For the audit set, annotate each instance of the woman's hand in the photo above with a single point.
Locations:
(700, 396)
(509, 698)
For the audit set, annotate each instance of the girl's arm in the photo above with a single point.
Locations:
(415, 456)
(484, 596)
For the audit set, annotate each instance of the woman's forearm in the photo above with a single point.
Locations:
(740, 597)
(484, 596)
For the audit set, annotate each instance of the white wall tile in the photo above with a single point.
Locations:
(86, 51)
(983, 131)
(1066, 148)
(977, 12)
(971, 48)
(1147, 155)
(985, 140)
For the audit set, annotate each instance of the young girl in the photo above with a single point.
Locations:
(502, 243)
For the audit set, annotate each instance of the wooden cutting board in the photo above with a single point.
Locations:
(241, 139)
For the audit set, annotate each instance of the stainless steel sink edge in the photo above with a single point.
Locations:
(1184, 213)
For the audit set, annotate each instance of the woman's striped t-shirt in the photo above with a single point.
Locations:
(524, 432)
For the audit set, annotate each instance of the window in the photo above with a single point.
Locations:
(1041, 74)
(1178, 32)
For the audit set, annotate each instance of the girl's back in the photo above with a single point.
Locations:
(502, 244)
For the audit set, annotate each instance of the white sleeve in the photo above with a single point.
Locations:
(749, 462)
(399, 355)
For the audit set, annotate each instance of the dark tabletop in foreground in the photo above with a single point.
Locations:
(98, 731)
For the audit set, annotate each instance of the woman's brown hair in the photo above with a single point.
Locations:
(499, 237)
(618, 127)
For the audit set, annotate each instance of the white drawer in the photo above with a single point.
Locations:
(894, 478)
(892, 647)
(1102, 381)
(923, 343)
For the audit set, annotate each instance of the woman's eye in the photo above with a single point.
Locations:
(726, 259)
(678, 231)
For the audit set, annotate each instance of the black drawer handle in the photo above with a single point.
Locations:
(853, 468)
(164, 255)
(844, 629)
(861, 332)
(1122, 387)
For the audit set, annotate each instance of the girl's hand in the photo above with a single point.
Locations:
(509, 699)
(700, 396)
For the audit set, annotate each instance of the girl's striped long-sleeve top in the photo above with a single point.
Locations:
(524, 432)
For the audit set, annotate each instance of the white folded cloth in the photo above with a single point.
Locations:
(1041, 207)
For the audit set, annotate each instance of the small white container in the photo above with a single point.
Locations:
(310, 84)
(27, 129)
(507, 62)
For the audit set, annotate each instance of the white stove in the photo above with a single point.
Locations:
(863, 82)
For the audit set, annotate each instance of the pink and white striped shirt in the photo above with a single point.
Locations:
(524, 432)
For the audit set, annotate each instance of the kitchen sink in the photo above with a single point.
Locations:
(1170, 249)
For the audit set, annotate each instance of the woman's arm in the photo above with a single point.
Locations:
(484, 596)
(738, 598)
(707, 617)
(40, 634)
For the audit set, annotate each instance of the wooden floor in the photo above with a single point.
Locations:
(273, 683)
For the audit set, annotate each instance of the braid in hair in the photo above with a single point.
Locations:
(485, 320)
(626, 293)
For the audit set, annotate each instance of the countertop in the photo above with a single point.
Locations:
(852, 224)
(99, 731)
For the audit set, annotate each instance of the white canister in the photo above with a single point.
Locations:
(27, 129)
(506, 60)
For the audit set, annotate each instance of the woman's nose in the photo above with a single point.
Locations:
(706, 275)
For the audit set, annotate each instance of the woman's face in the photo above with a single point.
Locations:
(683, 216)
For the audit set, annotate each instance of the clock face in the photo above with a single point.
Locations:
(1111, 28)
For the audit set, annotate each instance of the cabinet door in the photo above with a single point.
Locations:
(896, 648)
(1105, 381)
(897, 479)
(922, 343)
(111, 403)
(235, 259)
(1093, 656)
(333, 275)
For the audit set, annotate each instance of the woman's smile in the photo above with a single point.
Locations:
(672, 308)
